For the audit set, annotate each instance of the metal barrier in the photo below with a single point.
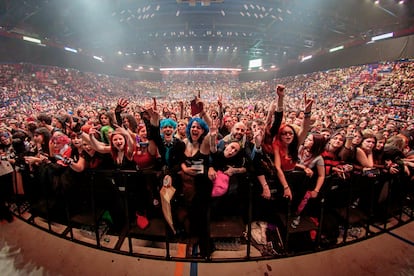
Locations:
(98, 210)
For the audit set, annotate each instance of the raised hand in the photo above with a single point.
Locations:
(122, 103)
(258, 137)
(280, 90)
(308, 104)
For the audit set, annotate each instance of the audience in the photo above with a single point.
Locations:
(55, 120)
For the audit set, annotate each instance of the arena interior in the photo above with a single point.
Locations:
(207, 137)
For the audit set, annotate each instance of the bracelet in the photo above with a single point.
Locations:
(316, 191)
(285, 188)
(307, 113)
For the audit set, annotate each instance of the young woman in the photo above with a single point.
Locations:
(333, 163)
(145, 157)
(181, 129)
(197, 187)
(121, 149)
(311, 161)
(286, 147)
(364, 152)
(107, 124)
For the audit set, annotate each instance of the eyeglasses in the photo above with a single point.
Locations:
(287, 133)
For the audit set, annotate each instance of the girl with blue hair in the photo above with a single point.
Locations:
(196, 186)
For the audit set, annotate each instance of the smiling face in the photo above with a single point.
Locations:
(168, 131)
(87, 147)
(239, 129)
(196, 131)
(76, 141)
(118, 141)
(142, 133)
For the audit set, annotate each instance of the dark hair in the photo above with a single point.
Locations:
(319, 143)
(43, 117)
(133, 124)
(110, 116)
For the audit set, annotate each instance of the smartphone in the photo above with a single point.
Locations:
(59, 157)
(143, 144)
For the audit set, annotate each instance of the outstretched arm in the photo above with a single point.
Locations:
(278, 114)
(307, 121)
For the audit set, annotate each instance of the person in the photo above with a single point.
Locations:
(232, 163)
(171, 156)
(121, 149)
(353, 140)
(365, 167)
(331, 158)
(107, 125)
(263, 168)
(311, 161)
(145, 156)
(180, 131)
(237, 133)
(6, 187)
(336, 186)
(286, 147)
(197, 186)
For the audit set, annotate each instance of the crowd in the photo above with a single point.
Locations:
(209, 140)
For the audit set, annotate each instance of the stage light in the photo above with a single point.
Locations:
(31, 39)
(383, 36)
(336, 49)
(306, 58)
(71, 50)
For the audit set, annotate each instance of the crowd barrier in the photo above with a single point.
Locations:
(97, 209)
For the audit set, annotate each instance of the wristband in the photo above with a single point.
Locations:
(285, 188)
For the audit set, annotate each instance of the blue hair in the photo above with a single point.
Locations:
(202, 124)
(168, 122)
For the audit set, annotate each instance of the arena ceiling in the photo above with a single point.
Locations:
(213, 33)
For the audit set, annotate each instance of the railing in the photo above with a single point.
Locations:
(97, 209)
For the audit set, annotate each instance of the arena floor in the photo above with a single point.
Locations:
(27, 250)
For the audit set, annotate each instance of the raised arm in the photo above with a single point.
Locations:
(122, 103)
(306, 125)
(97, 145)
(278, 114)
